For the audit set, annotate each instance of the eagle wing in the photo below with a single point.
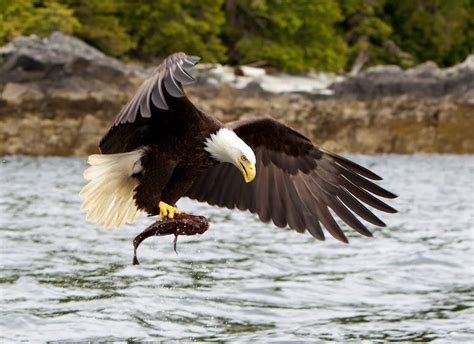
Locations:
(297, 183)
(159, 99)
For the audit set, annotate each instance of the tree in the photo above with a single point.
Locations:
(163, 27)
(294, 36)
(290, 35)
(368, 33)
(101, 25)
(437, 30)
(24, 17)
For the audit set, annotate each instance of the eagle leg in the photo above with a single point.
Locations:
(167, 210)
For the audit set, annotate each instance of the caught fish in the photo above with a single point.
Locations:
(181, 224)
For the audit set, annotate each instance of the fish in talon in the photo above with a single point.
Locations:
(181, 224)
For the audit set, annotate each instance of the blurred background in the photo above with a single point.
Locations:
(294, 36)
(369, 76)
(389, 83)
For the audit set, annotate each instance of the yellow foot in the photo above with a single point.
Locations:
(167, 210)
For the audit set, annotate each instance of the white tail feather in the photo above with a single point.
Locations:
(108, 197)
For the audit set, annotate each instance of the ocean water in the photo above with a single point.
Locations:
(62, 279)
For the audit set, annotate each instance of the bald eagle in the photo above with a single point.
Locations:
(162, 148)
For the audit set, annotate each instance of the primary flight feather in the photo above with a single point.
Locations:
(161, 148)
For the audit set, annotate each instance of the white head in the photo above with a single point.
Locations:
(226, 146)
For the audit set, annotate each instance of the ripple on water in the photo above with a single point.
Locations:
(62, 279)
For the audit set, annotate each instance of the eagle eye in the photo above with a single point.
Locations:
(243, 158)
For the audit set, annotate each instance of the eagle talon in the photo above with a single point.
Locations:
(167, 210)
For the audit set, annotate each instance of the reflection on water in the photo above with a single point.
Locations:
(63, 279)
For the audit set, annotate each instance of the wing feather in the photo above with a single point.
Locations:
(312, 221)
(352, 166)
(172, 86)
(294, 206)
(160, 97)
(262, 194)
(329, 223)
(358, 208)
(297, 184)
(313, 226)
(277, 206)
(171, 72)
(366, 184)
(366, 197)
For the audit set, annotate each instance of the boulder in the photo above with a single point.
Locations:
(62, 66)
(425, 80)
(15, 93)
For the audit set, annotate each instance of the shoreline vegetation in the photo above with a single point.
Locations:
(59, 95)
(290, 36)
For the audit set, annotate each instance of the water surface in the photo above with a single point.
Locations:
(63, 279)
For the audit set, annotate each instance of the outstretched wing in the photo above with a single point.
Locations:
(297, 183)
(159, 99)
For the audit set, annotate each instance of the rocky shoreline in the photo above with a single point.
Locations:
(58, 96)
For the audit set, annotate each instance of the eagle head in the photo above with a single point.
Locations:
(225, 146)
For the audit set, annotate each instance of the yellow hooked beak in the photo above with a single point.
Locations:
(247, 169)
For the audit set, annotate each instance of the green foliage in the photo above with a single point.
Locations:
(437, 30)
(291, 35)
(101, 25)
(166, 26)
(296, 35)
(365, 29)
(23, 17)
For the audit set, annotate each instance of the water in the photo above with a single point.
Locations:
(62, 279)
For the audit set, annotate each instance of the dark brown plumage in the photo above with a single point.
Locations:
(297, 184)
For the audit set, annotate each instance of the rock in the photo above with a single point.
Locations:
(59, 96)
(426, 80)
(90, 125)
(245, 77)
(58, 52)
(62, 62)
(17, 93)
(90, 133)
(252, 72)
(464, 67)
(425, 70)
(252, 87)
(73, 93)
(377, 71)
